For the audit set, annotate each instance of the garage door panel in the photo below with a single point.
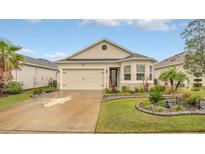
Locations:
(91, 79)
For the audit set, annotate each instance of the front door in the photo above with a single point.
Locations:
(113, 77)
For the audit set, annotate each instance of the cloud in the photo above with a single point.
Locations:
(54, 55)
(154, 24)
(26, 51)
(50, 56)
(184, 24)
(104, 22)
(35, 20)
(151, 24)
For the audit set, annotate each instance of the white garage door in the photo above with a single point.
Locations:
(83, 79)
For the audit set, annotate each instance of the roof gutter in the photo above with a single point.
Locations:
(30, 64)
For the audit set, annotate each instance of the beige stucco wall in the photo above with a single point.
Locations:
(105, 66)
(133, 82)
(120, 65)
(179, 68)
(33, 76)
(97, 52)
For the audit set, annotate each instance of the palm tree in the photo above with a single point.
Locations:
(168, 75)
(9, 60)
(172, 75)
(180, 78)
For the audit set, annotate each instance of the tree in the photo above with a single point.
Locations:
(168, 75)
(9, 60)
(194, 35)
(172, 76)
(180, 77)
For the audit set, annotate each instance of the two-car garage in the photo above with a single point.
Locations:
(83, 79)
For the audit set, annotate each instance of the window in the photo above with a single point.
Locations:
(104, 47)
(140, 72)
(150, 72)
(127, 72)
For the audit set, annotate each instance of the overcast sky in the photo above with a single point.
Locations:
(55, 39)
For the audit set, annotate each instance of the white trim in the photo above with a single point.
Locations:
(137, 81)
(128, 59)
(114, 66)
(71, 62)
(69, 68)
(113, 61)
(41, 66)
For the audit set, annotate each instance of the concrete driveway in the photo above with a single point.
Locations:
(62, 111)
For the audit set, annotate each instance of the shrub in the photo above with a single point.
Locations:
(197, 84)
(195, 88)
(132, 91)
(198, 80)
(147, 105)
(155, 96)
(194, 100)
(159, 109)
(13, 87)
(37, 91)
(161, 103)
(158, 88)
(167, 91)
(125, 89)
(136, 90)
(117, 91)
(52, 83)
(177, 107)
(186, 95)
(108, 91)
(141, 90)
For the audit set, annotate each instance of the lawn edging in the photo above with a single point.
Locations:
(137, 106)
(110, 98)
(113, 97)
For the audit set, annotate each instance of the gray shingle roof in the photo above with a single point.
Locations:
(40, 62)
(171, 61)
(136, 55)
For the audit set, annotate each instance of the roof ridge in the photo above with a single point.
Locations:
(109, 41)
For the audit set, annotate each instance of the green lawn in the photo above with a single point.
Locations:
(14, 99)
(120, 116)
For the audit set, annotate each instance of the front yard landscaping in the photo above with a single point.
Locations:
(7, 101)
(201, 92)
(12, 99)
(121, 116)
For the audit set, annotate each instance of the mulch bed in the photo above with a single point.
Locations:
(170, 113)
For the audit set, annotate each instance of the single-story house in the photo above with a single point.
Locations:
(174, 61)
(35, 73)
(103, 64)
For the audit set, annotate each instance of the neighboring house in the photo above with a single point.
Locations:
(35, 73)
(103, 64)
(174, 61)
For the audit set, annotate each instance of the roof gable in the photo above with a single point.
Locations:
(95, 51)
(171, 61)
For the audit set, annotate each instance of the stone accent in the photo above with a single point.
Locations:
(196, 112)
